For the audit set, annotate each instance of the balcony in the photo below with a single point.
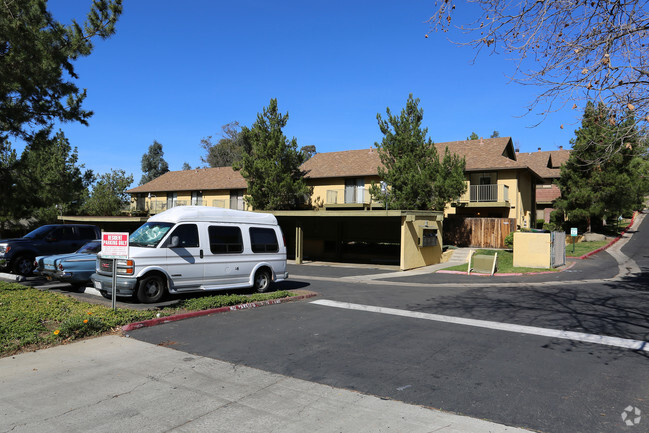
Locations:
(353, 198)
(486, 195)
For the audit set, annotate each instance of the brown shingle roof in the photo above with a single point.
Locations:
(547, 195)
(484, 154)
(362, 162)
(194, 180)
(547, 164)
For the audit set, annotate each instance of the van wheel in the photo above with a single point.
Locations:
(262, 280)
(151, 289)
(23, 265)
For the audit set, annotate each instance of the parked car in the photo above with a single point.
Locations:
(74, 268)
(194, 249)
(17, 255)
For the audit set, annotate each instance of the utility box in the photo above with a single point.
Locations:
(539, 250)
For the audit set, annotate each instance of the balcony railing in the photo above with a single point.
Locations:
(348, 196)
(493, 193)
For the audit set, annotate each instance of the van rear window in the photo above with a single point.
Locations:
(225, 240)
(263, 240)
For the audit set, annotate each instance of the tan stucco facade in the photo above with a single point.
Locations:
(513, 196)
(331, 191)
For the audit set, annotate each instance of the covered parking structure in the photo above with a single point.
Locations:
(410, 239)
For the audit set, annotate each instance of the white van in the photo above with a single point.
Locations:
(194, 249)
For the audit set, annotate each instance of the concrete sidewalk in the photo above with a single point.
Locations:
(113, 383)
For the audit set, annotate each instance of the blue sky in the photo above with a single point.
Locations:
(176, 72)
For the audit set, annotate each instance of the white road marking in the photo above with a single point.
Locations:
(624, 343)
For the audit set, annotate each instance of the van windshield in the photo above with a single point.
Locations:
(149, 235)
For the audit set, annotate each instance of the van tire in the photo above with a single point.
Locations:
(263, 281)
(151, 289)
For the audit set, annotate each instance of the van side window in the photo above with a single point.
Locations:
(225, 240)
(263, 240)
(187, 236)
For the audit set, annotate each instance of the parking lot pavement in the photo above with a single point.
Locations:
(115, 383)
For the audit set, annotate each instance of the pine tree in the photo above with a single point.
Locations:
(36, 55)
(595, 184)
(272, 169)
(51, 182)
(412, 171)
(153, 163)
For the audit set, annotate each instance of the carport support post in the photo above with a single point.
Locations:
(299, 244)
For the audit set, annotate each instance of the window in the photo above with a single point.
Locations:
(172, 199)
(236, 200)
(225, 240)
(62, 234)
(197, 198)
(87, 233)
(263, 240)
(187, 236)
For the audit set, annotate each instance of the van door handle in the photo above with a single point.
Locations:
(201, 254)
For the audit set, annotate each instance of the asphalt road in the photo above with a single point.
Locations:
(511, 376)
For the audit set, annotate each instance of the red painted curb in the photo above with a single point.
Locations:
(168, 319)
(585, 256)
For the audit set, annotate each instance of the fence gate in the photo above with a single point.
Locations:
(478, 232)
(558, 247)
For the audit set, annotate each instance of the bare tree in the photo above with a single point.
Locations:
(576, 51)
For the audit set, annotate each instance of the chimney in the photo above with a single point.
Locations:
(539, 149)
(517, 150)
(560, 147)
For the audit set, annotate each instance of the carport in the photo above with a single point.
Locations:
(410, 239)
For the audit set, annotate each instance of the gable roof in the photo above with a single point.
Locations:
(197, 179)
(546, 163)
(484, 154)
(361, 162)
(481, 155)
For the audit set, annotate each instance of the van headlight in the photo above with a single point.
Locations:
(4, 248)
(125, 267)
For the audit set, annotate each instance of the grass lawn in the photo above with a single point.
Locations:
(505, 262)
(31, 318)
(582, 248)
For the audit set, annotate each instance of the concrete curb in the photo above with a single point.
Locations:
(247, 306)
(511, 274)
(585, 256)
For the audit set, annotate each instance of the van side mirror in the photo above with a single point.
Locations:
(174, 242)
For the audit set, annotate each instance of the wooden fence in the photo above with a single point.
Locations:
(477, 232)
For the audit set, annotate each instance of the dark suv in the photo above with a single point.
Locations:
(17, 255)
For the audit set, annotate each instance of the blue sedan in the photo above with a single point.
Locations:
(73, 268)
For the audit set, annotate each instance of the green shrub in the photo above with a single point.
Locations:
(509, 240)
